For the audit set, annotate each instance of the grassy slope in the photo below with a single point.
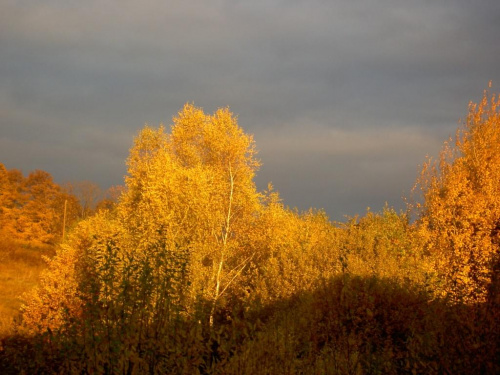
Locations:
(20, 266)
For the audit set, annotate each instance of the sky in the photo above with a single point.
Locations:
(345, 99)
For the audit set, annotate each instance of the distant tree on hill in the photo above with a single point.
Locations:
(32, 208)
(11, 198)
(110, 198)
(88, 194)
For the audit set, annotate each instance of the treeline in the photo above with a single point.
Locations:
(34, 209)
(195, 271)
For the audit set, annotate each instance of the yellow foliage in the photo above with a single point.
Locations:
(460, 215)
(194, 271)
(193, 191)
(184, 220)
(49, 305)
(385, 245)
(296, 253)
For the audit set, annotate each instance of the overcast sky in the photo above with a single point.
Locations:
(344, 98)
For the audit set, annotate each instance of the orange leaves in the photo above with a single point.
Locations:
(462, 203)
(32, 208)
(193, 255)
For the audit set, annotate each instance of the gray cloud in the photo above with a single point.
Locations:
(345, 98)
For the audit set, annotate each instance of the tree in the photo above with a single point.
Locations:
(38, 219)
(193, 191)
(11, 198)
(88, 195)
(32, 208)
(460, 215)
(42, 216)
(110, 198)
(178, 238)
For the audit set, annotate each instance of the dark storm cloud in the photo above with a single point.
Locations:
(345, 98)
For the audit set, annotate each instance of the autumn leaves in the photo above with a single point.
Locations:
(193, 191)
(461, 207)
(32, 208)
(192, 250)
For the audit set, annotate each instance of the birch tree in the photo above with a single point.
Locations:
(193, 190)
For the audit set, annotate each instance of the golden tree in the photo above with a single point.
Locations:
(460, 215)
(62, 293)
(193, 192)
(294, 252)
(179, 233)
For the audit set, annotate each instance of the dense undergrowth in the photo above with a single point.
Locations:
(194, 271)
(349, 325)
